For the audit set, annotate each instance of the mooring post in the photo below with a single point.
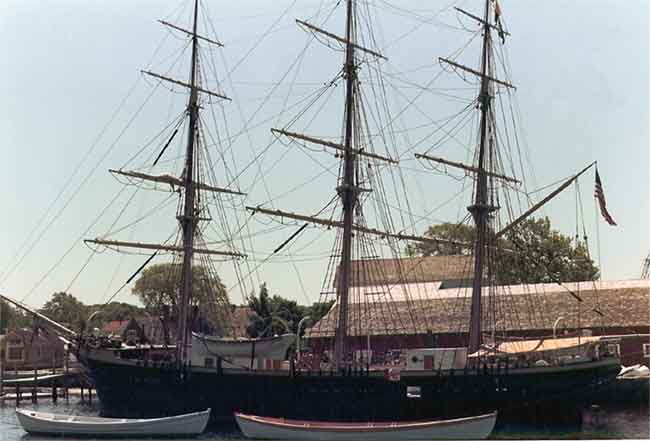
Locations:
(90, 395)
(35, 384)
(82, 391)
(2, 372)
(66, 379)
(54, 392)
(17, 394)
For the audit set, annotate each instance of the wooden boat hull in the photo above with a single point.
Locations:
(255, 427)
(144, 390)
(58, 424)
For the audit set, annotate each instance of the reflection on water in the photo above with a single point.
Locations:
(620, 422)
(599, 423)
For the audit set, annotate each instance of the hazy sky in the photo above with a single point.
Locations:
(581, 70)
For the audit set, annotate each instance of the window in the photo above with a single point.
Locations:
(646, 349)
(131, 337)
(14, 354)
(614, 349)
(413, 392)
(15, 341)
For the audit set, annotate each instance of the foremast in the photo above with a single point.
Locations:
(187, 219)
(189, 182)
(349, 188)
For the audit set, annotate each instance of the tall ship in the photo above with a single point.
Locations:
(211, 367)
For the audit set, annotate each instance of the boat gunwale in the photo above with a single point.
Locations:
(242, 340)
(358, 427)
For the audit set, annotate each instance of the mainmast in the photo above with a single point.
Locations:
(187, 219)
(348, 188)
(347, 191)
(480, 209)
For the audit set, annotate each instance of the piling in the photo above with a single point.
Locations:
(2, 373)
(66, 379)
(55, 396)
(34, 386)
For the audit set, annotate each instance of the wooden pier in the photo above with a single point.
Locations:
(45, 384)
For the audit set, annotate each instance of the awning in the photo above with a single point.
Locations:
(537, 345)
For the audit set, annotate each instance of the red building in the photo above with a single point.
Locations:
(432, 309)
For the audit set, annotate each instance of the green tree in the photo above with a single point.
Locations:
(532, 252)
(115, 311)
(289, 311)
(538, 254)
(455, 233)
(277, 315)
(159, 286)
(65, 308)
(318, 309)
(12, 318)
(273, 315)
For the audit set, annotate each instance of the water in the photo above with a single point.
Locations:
(632, 422)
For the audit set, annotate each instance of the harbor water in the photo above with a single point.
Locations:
(630, 422)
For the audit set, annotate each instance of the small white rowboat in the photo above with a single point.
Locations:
(256, 427)
(58, 424)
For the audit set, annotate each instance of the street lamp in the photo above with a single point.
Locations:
(90, 317)
(302, 320)
(560, 318)
(150, 326)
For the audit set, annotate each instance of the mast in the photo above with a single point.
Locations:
(347, 191)
(187, 220)
(480, 209)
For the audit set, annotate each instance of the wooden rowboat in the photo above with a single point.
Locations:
(257, 427)
(59, 424)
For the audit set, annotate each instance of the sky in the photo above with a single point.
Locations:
(75, 104)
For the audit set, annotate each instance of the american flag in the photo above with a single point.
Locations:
(598, 194)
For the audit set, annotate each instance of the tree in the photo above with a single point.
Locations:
(318, 310)
(65, 308)
(159, 286)
(115, 311)
(459, 233)
(277, 315)
(532, 252)
(12, 318)
(540, 254)
(272, 316)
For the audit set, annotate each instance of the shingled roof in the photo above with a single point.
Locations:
(419, 308)
(410, 270)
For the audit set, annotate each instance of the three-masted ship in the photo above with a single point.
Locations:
(228, 374)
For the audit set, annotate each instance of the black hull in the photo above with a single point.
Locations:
(130, 391)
